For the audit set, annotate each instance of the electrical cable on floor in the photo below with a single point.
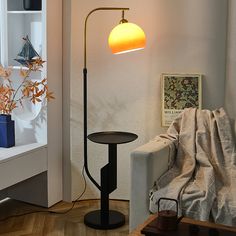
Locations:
(53, 212)
(76, 200)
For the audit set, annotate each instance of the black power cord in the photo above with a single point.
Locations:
(53, 212)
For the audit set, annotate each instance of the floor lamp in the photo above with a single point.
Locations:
(125, 37)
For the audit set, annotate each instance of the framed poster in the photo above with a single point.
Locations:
(179, 91)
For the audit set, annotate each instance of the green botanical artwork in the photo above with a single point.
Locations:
(181, 92)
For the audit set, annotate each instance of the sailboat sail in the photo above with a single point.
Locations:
(27, 54)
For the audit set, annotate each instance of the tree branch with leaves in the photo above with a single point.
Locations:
(35, 91)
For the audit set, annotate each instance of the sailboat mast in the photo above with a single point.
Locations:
(32, 48)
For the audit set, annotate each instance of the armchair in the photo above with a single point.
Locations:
(148, 163)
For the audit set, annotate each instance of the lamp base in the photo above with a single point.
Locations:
(93, 220)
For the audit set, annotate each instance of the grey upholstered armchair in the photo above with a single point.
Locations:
(148, 163)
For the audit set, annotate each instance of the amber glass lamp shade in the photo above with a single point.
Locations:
(126, 37)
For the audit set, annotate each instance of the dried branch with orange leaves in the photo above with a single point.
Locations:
(35, 91)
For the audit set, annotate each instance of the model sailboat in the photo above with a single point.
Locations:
(28, 54)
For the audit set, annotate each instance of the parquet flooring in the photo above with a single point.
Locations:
(69, 224)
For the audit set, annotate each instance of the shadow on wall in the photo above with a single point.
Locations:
(101, 112)
(104, 113)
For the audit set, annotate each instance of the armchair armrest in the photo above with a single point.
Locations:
(148, 163)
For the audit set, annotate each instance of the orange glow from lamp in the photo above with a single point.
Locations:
(126, 37)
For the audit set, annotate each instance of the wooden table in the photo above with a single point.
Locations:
(137, 231)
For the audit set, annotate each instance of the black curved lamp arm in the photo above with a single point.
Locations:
(85, 88)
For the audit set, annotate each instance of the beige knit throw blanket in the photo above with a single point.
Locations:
(202, 167)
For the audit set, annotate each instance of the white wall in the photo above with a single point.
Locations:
(54, 75)
(231, 61)
(67, 52)
(185, 36)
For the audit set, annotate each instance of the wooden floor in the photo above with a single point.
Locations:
(45, 223)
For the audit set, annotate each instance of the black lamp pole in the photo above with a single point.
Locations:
(85, 88)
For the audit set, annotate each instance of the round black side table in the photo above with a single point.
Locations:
(105, 218)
